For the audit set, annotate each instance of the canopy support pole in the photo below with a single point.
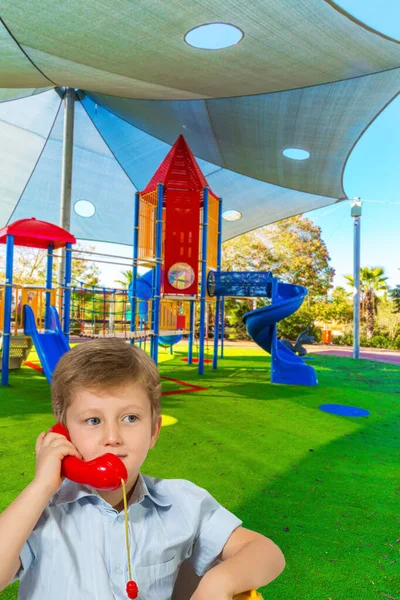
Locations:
(66, 173)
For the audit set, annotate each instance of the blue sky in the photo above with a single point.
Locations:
(372, 173)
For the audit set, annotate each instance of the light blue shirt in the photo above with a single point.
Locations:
(77, 549)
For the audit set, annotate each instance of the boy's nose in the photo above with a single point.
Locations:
(112, 435)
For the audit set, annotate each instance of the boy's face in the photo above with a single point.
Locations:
(117, 421)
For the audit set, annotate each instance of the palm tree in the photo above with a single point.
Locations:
(395, 296)
(126, 278)
(372, 280)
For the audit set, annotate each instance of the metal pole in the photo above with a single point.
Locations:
(67, 289)
(218, 303)
(157, 296)
(49, 275)
(222, 327)
(133, 297)
(203, 282)
(191, 332)
(356, 209)
(66, 172)
(274, 339)
(7, 309)
(153, 289)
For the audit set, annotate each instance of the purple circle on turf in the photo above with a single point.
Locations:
(344, 411)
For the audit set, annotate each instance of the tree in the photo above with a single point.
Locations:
(372, 281)
(126, 279)
(302, 255)
(387, 322)
(292, 249)
(394, 294)
(30, 267)
(337, 310)
(341, 306)
(248, 252)
(295, 253)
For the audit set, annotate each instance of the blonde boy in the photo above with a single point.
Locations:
(67, 541)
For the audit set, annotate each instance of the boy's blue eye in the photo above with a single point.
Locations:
(132, 418)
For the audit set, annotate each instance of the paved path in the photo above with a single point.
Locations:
(378, 354)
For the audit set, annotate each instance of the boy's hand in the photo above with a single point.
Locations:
(51, 448)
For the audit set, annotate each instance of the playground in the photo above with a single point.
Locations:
(325, 485)
(313, 460)
(171, 128)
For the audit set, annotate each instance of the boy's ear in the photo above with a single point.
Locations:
(156, 432)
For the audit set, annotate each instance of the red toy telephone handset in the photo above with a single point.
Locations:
(102, 473)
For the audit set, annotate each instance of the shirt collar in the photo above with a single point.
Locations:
(72, 492)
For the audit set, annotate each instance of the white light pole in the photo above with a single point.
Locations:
(356, 214)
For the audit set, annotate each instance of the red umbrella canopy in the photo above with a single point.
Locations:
(36, 234)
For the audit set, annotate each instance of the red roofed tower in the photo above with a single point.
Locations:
(179, 170)
(183, 193)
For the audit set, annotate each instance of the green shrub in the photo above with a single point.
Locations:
(317, 333)
(291, 327)
(343, 340)
(379, 341)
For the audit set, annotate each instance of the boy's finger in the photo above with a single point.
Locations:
(50, 437)
(39, 441)
(66, 447)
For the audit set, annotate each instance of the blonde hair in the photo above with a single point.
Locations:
(103, 364)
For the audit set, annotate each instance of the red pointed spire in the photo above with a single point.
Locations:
(179, 170)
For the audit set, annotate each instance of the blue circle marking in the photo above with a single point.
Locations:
(344, 411)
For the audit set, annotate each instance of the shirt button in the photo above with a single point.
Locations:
(121, 518)
(118, 570)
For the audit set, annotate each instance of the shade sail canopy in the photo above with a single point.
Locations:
(137, 49)
(306, 75)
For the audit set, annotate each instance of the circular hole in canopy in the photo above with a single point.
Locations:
(181, 276)
(296, 153)
(214, 36)
(84, 208)
(231, 215)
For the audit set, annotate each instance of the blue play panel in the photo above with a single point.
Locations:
(344, 411)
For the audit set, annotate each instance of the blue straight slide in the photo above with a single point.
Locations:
(144, 292)
(286, 366)
(51, 345)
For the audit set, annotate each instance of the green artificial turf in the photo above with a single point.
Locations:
(325, 488)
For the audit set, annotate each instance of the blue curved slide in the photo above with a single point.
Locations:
(144, 292)
(286, 366)
(51, 345)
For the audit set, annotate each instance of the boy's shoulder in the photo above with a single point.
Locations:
(166, 486)
(175, 491)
